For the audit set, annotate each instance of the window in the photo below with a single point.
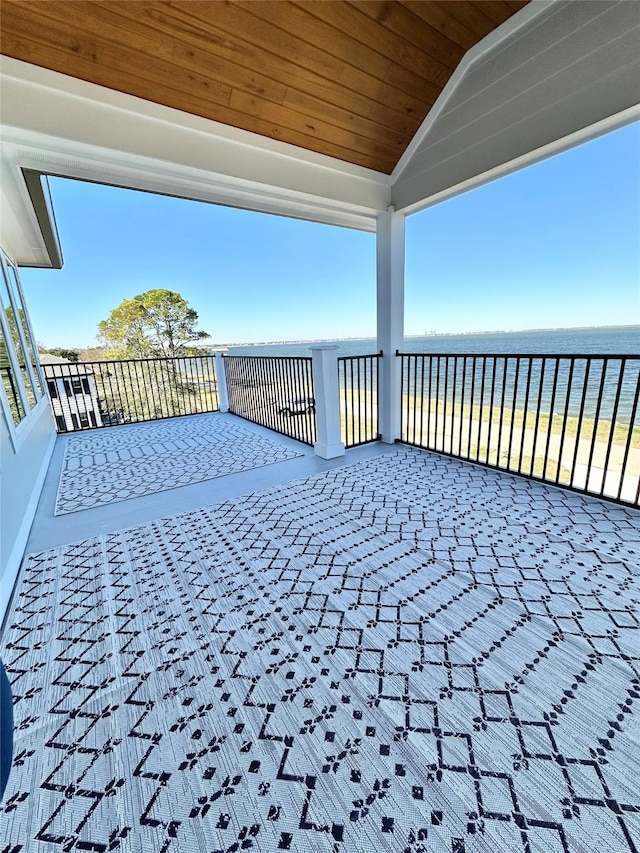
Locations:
(24, 325)
(22, 383)
(13, 332)
(84, 420)
(76, 386)
(10, 383)
(61, 423)
(53, 389)
(74, 421)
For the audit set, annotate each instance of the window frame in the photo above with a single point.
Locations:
(33, 367)
(14, 365)
(18, 432)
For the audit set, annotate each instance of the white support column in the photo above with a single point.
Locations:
(327, 395)
(390, 307)
(221, 378)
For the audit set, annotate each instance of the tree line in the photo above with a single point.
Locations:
(156, 324)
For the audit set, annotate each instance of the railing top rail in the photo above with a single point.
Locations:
(272, 357)
(362, 355)
(568, 356)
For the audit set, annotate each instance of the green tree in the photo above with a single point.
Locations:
(156, 324)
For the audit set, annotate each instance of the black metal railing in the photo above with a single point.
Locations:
(358, 381)
(93, 394)
(274, 391)
(570, 420)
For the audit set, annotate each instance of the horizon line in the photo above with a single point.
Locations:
(433, 334)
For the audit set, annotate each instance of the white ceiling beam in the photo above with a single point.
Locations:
(72, 128)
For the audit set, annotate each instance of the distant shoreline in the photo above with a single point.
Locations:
(427, 334)
(629, 326)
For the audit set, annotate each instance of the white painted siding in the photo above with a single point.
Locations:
(575, 67)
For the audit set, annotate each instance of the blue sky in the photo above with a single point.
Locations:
(555, 245)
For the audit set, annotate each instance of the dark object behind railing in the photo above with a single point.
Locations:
(358, 381)
(89, 395)
(573, 421)
(273, 391)
(10, 388)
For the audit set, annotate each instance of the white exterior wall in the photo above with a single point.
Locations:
(22, 472)
(25, 452)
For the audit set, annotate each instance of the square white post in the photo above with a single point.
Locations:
(327, 395)
(390, 318)
(221, 378)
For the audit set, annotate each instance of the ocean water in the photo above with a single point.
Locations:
(596, 392)
(610, 340)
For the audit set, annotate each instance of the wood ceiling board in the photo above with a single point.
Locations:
(497, 11)
(469, 15)
(388, 130)
(294, 105)
(312, 62)
(438, 18)
(403, 23)
(365, 42)
(290, 120)
(50, 43)
(318, 29)
(350, 80)
(97, 26)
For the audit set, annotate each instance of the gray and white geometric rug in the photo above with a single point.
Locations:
(407, 654)
(119, 463)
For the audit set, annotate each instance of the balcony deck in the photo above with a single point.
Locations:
(393, 651)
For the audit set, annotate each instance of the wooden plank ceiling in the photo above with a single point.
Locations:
(350, 79)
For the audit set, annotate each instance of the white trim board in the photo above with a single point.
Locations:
(59, 125)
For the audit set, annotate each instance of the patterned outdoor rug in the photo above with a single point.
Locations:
(408, 654)
(127, 462)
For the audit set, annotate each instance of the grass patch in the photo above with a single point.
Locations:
(510, 417)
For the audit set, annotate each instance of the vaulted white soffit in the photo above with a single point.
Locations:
(556, 73)
(563, 72)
